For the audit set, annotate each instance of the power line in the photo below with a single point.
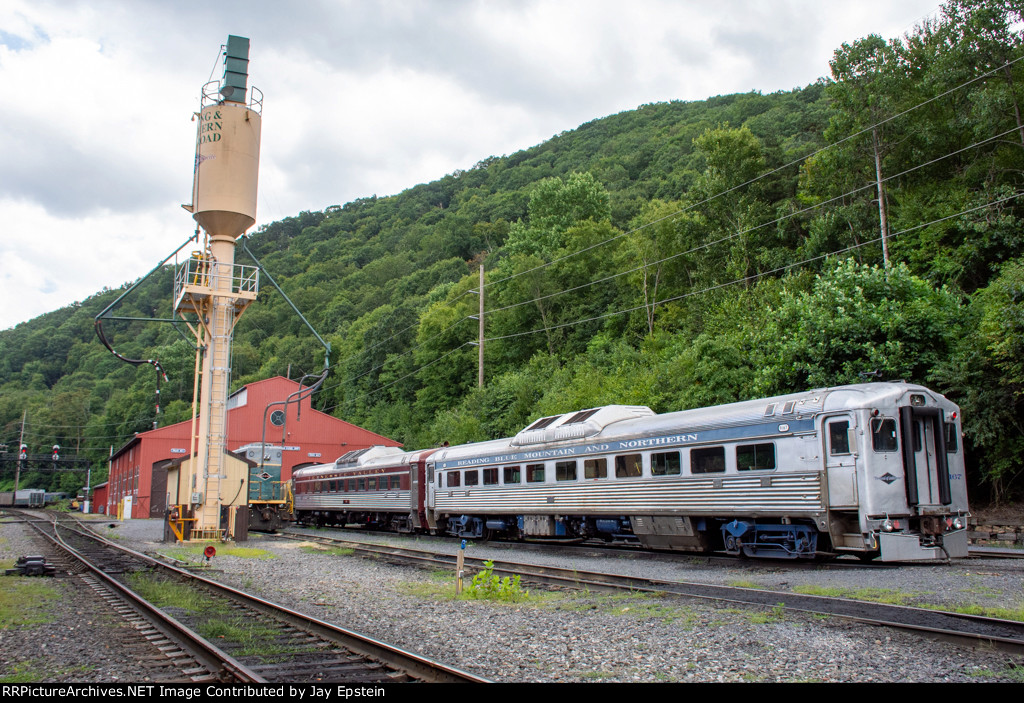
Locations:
(767, 173)
(778, 220)
(754, 277)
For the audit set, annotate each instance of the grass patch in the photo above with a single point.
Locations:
(331, 551)
(776, 614)
(1014, 673)
(194, 553)
(982, 610)
(872, 595)
(26, 672)
(746, 584)
(26, 601)
(251, 637)
(168, 594)
(889, 596)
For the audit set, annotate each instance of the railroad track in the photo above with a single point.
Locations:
(1006, 635)
(257, 641)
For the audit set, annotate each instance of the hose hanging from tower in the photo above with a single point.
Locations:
(152, 362)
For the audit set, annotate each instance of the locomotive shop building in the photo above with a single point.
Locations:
(138, 470)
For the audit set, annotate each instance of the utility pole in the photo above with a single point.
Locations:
(882, 216)
(480, 363)
(21, 454)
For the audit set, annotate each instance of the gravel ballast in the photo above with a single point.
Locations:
(580, 637)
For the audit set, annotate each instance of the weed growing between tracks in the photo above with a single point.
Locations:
(331, 551)
(195, 552)
(888, 596)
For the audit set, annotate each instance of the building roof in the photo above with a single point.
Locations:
(269, 390)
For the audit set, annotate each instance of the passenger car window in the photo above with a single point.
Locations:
(952, 438)
(595, 468)
(565, 470)
(535, 473)
(707, 460)
(755, 457)
(453, 479)
(512, 475)
(883, 434)
(839, 437)
(628, 465)
(490, 477)
(665, 464)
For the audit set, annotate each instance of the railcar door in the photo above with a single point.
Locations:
(923, 437)
(840, 461)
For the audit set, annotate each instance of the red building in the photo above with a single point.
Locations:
(307, 436)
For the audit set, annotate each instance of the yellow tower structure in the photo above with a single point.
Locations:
(216, 290)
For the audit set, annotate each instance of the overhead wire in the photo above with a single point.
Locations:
(769, 223)
(753, 277)
(488, 284)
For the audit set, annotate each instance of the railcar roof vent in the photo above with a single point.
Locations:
(584, 423)
(358, 456)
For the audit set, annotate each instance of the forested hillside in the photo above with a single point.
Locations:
(677, 255)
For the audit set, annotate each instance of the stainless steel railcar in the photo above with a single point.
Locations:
(874, 470)
(378, 486)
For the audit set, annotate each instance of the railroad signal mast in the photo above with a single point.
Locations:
(212, 287)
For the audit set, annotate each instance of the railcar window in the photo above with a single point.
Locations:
(755, 457)
(565, 470)
(839, 437)
(453, 479)
(535, 473)
(581, 416)
(371, 484)
(350, 484)
(707, 460)
(952, 438)
(665, 464)
(883, 435)
(362, 484)
(628, 466)
(595, 468)
(512, 475)
(473, 478)
(490, 477)
(543, 422)
(917, 436)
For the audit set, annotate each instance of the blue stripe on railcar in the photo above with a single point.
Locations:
(767, 429)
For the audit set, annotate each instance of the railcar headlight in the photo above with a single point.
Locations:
(958, 523)
(916, 399)
(887, 525)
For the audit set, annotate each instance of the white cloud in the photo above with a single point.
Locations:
(362, 98)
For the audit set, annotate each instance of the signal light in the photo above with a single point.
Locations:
(24, 452)
(56, 452)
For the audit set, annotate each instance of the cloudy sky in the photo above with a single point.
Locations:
(362, 97)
